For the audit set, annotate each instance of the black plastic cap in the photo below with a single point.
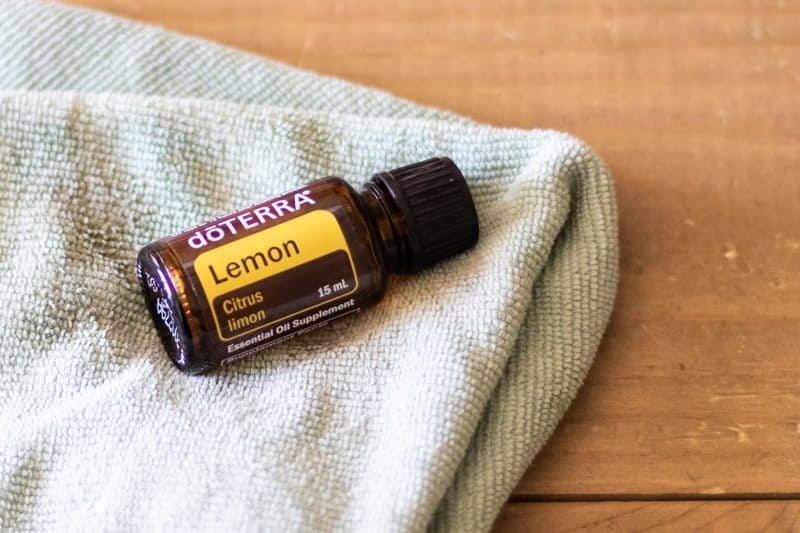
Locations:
(435, 201)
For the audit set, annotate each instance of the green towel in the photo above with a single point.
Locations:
(421, 412)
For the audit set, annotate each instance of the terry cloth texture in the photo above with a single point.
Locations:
(420, 412)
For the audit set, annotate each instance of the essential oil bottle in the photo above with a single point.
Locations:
(258, 276)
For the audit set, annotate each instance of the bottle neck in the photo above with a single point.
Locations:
(389, 224)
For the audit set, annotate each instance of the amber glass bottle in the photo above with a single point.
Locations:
(282, 267)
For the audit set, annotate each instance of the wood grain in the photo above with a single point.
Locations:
(653, 517)
(696, 108)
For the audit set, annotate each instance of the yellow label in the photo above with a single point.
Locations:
(228, 272)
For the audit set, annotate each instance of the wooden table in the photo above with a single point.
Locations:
(690, 418)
